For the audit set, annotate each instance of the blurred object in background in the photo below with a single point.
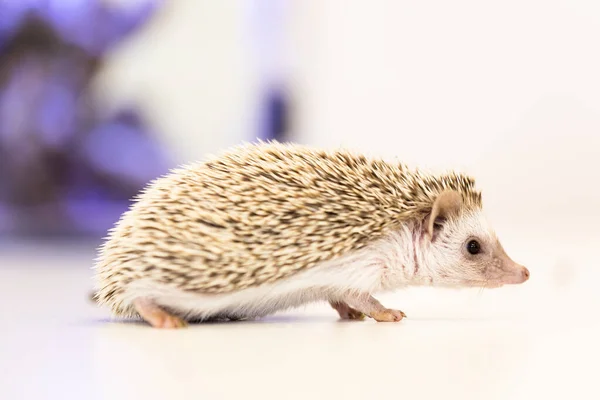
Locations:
(269, 20)
(64, 167)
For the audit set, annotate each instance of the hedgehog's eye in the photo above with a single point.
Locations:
(473, 247)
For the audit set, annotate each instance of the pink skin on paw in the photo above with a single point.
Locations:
(156, 316)
(388, 315)
(171, 322)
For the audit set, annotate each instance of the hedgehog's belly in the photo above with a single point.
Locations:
(323, 282)
(248, 303)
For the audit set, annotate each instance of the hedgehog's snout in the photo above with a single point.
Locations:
(522, 275)
(516, 274)
(510, 272)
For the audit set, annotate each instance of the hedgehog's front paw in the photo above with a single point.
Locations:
(347, 312)
(388, 315)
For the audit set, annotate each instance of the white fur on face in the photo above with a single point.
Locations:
(448, 256)
(413, 258)
(449, 263)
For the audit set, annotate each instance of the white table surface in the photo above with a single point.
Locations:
(540, 339)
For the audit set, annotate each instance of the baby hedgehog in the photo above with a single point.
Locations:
(268, 226)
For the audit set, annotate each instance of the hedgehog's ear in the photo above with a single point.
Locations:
(447, 204)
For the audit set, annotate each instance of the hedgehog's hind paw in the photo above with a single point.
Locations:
(156, 316)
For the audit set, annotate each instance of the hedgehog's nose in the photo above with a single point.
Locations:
(525, 274)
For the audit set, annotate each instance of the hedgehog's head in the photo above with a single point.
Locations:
(463, 249)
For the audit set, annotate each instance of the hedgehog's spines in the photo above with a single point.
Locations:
(259, 213)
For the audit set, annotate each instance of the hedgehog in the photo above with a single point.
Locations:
(267, 226)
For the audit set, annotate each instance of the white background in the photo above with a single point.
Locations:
(508, 91)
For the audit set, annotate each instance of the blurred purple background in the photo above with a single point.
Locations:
(65, 167)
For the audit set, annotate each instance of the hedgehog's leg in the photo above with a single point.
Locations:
(155, 315)
(345, 311)
(368, 305)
